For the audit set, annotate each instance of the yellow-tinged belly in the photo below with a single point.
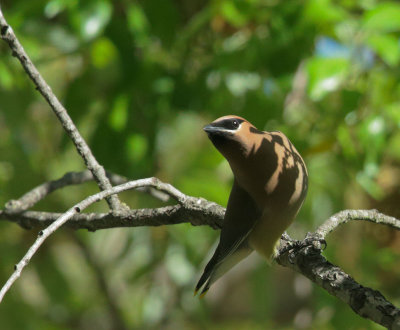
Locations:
(267, 233)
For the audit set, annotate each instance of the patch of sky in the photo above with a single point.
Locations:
(330, 48)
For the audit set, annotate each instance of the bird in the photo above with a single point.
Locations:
(269, 187)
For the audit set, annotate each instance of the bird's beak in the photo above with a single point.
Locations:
(209, 129)
(216, 132)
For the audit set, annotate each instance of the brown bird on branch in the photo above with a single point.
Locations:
(270, 185)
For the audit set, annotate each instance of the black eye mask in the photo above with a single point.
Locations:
(231, 124)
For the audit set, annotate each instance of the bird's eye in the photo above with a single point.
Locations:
(235, 124)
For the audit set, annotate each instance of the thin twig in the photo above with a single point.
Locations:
(306, 260)
(43, 234)
(196, 211)
(345, 216)
(59, 222)
(38, 193)
(7, 34)
(302, 256)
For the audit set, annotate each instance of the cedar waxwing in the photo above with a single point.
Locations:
(270, 185)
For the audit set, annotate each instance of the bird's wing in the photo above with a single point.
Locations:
(241, 216)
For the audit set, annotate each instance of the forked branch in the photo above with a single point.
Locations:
(8, 35)
(302, 256)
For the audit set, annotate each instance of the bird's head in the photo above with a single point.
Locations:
(231, 135)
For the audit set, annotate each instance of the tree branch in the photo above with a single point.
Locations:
(301, 256)
(7, 34)
(366, 302)
(305, 257)
(196, 211)
(38, 193)
(76, 209)
(345, 216)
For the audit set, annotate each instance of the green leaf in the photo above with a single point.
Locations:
(232, 14)
(138, 23)
(91, 19)
(103, 52)
(387, 47)
(369, 184)
(323, 11)
(137, 19)
(119, 113)
(384, 18)
(372, 134)
(55, 7)
(325, 75)
(136, 147)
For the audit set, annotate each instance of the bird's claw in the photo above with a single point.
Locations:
(311, 240)
(315, 240)
(285, 236)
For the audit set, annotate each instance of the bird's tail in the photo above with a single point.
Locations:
(204, 283)
(206, 278)
(215, 269)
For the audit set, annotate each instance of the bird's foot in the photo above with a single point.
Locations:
(285, 236)
(312, 240)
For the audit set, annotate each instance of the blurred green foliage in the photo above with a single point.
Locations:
(140, 79)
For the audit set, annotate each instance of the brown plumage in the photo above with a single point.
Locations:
(270, 185)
